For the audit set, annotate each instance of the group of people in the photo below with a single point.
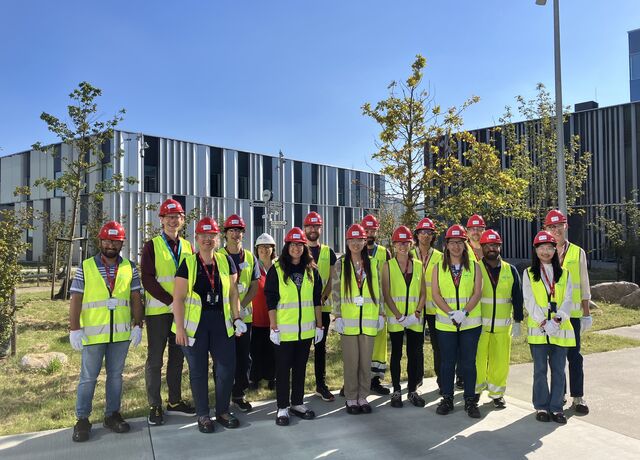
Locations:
(257, 314)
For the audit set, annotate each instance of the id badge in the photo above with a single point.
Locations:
(112, 304)
(191, 341)
(212, 298)
(240, 287)
(359, 301)
(243, 265)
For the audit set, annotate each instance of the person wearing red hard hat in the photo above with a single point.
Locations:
(358, 311)
(404, 292)
(501, 300)
(547, 292)
(325, 258)
(573, 258)
(161, 257)
(248, 276)
(206, 310)
(293, 289)
(379, 358)
(456, 292)
(475, 227)
(424, 237)
(106, 300)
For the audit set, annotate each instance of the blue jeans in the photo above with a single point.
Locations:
(211, 339)
(114, 355)
(555, 356)
(576, 372)
(460, 347)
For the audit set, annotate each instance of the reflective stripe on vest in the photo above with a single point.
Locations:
(495, 305)
(536, 335)
(405, 297)
(360, 320)
(571, 262)
(244, 279)
(295, 315)
(100, 324)
(165, 273)
(457, 299)
(193, 302)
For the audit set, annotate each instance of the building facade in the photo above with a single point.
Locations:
(218, 181)
(634, 65)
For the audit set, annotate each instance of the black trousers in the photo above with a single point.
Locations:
(158, 334)
(291, 367)
(243, 363)
(320, 353)
(415, 342)
(263, 359)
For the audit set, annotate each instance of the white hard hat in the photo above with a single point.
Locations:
(265, 238)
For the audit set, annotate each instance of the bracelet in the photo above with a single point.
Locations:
(236, 319)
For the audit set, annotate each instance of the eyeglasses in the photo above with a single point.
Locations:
(426, 232)
(207, 236)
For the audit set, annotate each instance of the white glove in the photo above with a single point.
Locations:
(319, 334)
(459, 316)
(585, 323)
(274, 336)
(339, 325)
(515, 330)
(551, 327)
(380, 322)
(410, 320)
(76, 337)
(241, 328)
(136, 336)
(561, 315)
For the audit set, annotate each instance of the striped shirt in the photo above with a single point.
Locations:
(77, 285)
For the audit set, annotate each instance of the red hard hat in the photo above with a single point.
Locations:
(313, 218)
(234, 221)
(555, 217)
(456, 231)
(544, 237)
(370, 221)
(356, 232)
(207, 225)
(426, 224)
(295, 235)
(476, 221)
(490, 236)
(112, 231)
(402, 234)
(170, 206)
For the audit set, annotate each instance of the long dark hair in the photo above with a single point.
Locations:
(536, 266)
(346, 271)
(446, 257)
(306, 259)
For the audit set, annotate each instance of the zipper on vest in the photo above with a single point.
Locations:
(111, 326)
(493, 316)
(300, 313)
(406, 298)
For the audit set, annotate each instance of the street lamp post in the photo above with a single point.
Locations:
(562, 182)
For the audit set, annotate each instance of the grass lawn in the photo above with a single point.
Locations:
(34, 401)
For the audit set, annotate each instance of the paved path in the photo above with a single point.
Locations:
(631, 332)
(611, 430)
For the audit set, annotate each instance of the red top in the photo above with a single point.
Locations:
(259, 302)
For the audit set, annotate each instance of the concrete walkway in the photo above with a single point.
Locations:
(611, 430)
(631, 332)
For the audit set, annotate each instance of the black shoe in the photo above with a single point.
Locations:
(271, 385)
(353, 410)
(305, 415)
(366, 408)
(542, 416)
(580, 406)
(471, 408)
(155, 416)
(445, 406)
(559, 418)
(476, 398)
(342, 392)
(228, 421)
(116, 423)
(325, 394)
(377, 387)
(283, 420)
(206, 425)
(459, 383)
(181, 408)
(242, 404)
(396, 399)
(499, 403)
(416, 399)
(81, 430)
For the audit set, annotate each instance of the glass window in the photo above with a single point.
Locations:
(215, 171)
(243, 175)
(297, 182)
(314, 183)
(297, 215)
(151, 158)
(635, 66)
(267, 173)
(258, 221)
(341, 180)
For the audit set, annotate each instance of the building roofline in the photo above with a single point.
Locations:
(634, 30)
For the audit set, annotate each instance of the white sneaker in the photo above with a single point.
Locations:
(283, 412)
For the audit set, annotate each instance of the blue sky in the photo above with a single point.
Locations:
(292, 75)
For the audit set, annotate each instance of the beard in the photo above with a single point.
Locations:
(492, 255)
(109, 253)
(313, 236)
(371, 240)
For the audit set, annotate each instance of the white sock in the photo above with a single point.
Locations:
(362, 401)
(352, 402)
(283, 412)
(300, 408)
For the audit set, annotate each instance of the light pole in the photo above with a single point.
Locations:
(562, 182)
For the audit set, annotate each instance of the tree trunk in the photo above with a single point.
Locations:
(74, 215)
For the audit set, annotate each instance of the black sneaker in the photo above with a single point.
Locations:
(116, 423)
(499, 403)
(156, 417)
(416, 399)
(325, 394)
(580, 406)
(377, 387)
(243, 404)
(182, 407)
(81, 430)
(471, 408)
(396, 399)
(445, 406)
(459, 383)
(205, 424)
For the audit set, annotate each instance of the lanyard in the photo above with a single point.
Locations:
(551, 284)
(456, 278)
(110, 281)
(360, 276)
(173, 254)
(564, 253)
(210, 275)
(425, 260)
